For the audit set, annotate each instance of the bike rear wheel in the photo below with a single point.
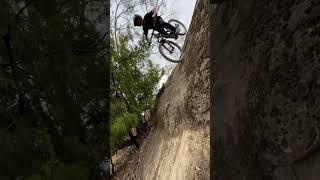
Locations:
(183, 29)
(170, 50)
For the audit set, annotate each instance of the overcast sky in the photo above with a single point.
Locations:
(181, 10)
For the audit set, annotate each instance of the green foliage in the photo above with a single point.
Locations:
(120, 126)
(62, 171)
(34, 147)
(59, 58)
(133, 80)
(34, 177)
(74, 150)
(70, 171)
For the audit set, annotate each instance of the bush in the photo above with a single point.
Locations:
(120, 127)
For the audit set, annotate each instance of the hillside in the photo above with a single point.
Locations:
(178, 145)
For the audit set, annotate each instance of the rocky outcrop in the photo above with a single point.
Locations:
(186, 93)
(266, 89)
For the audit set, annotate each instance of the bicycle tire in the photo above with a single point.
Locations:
(181, 24)
(161, 44)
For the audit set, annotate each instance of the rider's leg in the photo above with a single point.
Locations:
(158, 26)
(172, 28)
(169, 26)
(162, 24)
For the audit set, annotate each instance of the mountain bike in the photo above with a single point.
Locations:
(169, 49)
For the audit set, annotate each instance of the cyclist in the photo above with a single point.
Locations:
(152, 21)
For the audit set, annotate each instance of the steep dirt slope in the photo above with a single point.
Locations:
(267, 86)
(178, 147)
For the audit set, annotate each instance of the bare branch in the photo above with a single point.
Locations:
(115, 22)
(125, 11)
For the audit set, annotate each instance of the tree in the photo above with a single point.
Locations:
(133, 76)
(133, 81)
(53, 83)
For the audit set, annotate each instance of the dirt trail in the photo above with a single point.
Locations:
(176, 157)
(178, 146)
(180, 156)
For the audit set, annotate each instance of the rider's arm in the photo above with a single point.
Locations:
(154, 12)
(145, 32)
(151, 14)
(146, 36)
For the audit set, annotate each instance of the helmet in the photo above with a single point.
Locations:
(136, 18)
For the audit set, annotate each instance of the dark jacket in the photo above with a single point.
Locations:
(150, 22)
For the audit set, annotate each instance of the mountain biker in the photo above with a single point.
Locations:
(152, 21)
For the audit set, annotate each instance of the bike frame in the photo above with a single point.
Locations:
(162, 38)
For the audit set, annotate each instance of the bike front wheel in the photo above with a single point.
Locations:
(170, 50)
(182, 27)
